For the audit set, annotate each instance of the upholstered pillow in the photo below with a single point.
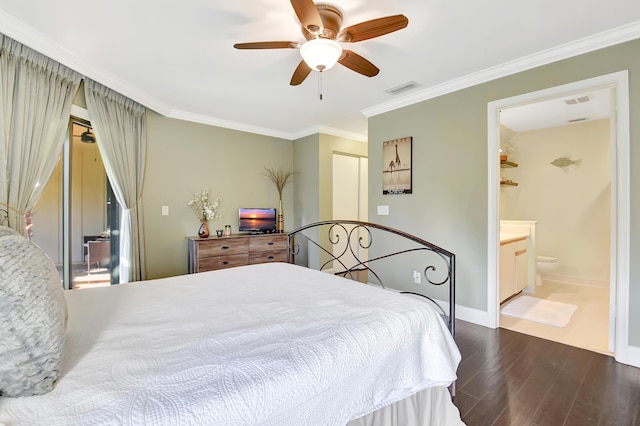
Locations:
(33, 315)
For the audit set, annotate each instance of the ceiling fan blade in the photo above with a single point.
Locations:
(268, 45)
(308, 14)
(300, 73)
(374, 28)
(357, 63)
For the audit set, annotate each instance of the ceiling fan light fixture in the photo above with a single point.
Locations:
(320, 54)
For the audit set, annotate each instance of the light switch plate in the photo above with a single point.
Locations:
(383, 210)
(165, 210)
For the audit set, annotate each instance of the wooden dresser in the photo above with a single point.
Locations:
(208, 254)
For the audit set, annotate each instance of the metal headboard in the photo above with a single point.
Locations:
(4, 217)
(340, 244)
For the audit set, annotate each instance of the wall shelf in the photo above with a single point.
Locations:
(507, 164)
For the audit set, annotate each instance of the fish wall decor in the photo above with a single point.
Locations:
(564, 162)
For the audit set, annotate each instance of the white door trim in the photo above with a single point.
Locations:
(620, 198)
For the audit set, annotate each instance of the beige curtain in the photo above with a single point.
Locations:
(121, 134)
(35, 101)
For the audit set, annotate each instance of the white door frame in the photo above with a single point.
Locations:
(620, 199)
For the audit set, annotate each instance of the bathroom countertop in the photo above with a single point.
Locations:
(508, 237)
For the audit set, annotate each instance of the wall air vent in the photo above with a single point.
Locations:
(404, 87)
(575, 120)
(578, 100)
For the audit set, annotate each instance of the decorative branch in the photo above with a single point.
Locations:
(279, 177)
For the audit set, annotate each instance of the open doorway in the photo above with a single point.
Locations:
(72, 221)
(618, 254)
(557, 194)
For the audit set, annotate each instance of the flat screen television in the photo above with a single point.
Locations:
(256, 220)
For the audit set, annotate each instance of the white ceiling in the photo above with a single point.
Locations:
(561, 111)
(177, 57)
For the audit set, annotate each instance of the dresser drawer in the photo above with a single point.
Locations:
(222, 247)
(268, 256)
(221, 262)
(273, 242)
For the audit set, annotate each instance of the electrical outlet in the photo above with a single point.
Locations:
(165, 210)
(417, 278)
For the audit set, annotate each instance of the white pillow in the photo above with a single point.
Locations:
(33, 319)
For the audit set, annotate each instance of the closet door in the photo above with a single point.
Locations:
(350, 176)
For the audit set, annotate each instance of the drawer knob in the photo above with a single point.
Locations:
(224, 247)
(270, 257)
(225, 262)
(270, 243)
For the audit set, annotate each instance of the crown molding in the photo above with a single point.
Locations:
(329, 131)
(564, 51)
(343, 134)
(203, 119)
(233, 125)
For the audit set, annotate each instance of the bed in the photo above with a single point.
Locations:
(272, 344)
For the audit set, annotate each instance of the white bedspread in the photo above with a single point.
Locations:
(272, 344)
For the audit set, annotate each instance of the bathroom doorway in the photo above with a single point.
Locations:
(617, 85)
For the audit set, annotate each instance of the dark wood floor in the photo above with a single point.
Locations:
(509, 378)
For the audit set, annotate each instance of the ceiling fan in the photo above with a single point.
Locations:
(321, 26)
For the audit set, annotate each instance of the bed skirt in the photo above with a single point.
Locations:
(431, 407)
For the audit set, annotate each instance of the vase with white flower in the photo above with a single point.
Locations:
(205, 209)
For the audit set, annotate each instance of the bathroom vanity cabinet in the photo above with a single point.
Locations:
(514, 266)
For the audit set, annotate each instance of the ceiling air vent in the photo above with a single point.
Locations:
(404, 87)
(578, 100)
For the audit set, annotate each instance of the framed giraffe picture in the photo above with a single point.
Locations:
(396, 166)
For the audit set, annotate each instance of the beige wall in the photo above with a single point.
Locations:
(449, 203)
(306, 180)
(182, 158)
(572, 204)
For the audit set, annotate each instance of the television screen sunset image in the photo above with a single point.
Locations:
(257, 219)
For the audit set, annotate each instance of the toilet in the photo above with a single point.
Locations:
(545, 265)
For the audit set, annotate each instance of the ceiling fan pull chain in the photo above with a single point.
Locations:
(320, 85)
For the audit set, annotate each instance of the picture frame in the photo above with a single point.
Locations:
(397, 166)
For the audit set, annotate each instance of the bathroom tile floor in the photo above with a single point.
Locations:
(589, 326)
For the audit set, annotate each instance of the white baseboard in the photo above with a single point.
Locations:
(472, 315)
(633, 355)
(467, 314)
(568, 279)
